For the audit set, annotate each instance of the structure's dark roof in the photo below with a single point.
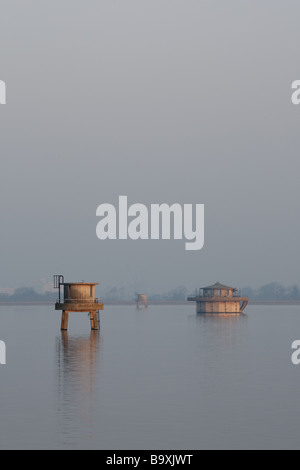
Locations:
(217, 285)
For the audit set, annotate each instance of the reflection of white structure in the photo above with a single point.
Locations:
(142, 301)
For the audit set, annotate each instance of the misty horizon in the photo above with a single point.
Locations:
(272, 291)
(186, 104)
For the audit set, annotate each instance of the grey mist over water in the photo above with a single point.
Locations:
(164, 101)
(161, 378)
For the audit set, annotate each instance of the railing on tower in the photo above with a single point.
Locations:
(58, 280)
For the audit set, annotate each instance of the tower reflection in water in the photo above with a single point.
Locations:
(77, 359)
(219, 330)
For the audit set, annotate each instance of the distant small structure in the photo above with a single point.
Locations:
(219, 298)
(77, 297)
(142, 301)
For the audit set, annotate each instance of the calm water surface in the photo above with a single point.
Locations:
(162, 378)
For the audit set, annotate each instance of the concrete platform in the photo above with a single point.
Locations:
(79, 307)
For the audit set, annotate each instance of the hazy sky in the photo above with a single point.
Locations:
(163, 101)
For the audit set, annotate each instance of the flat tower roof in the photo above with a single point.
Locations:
(80, 284)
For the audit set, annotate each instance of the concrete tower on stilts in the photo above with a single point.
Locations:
(77, 297)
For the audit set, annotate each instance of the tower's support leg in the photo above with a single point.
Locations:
(94, 320)
(64, 320)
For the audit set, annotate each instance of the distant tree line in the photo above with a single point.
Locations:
(116, 294)
(121, 293)
(272, 292)
(179, 293)
(27, 294)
